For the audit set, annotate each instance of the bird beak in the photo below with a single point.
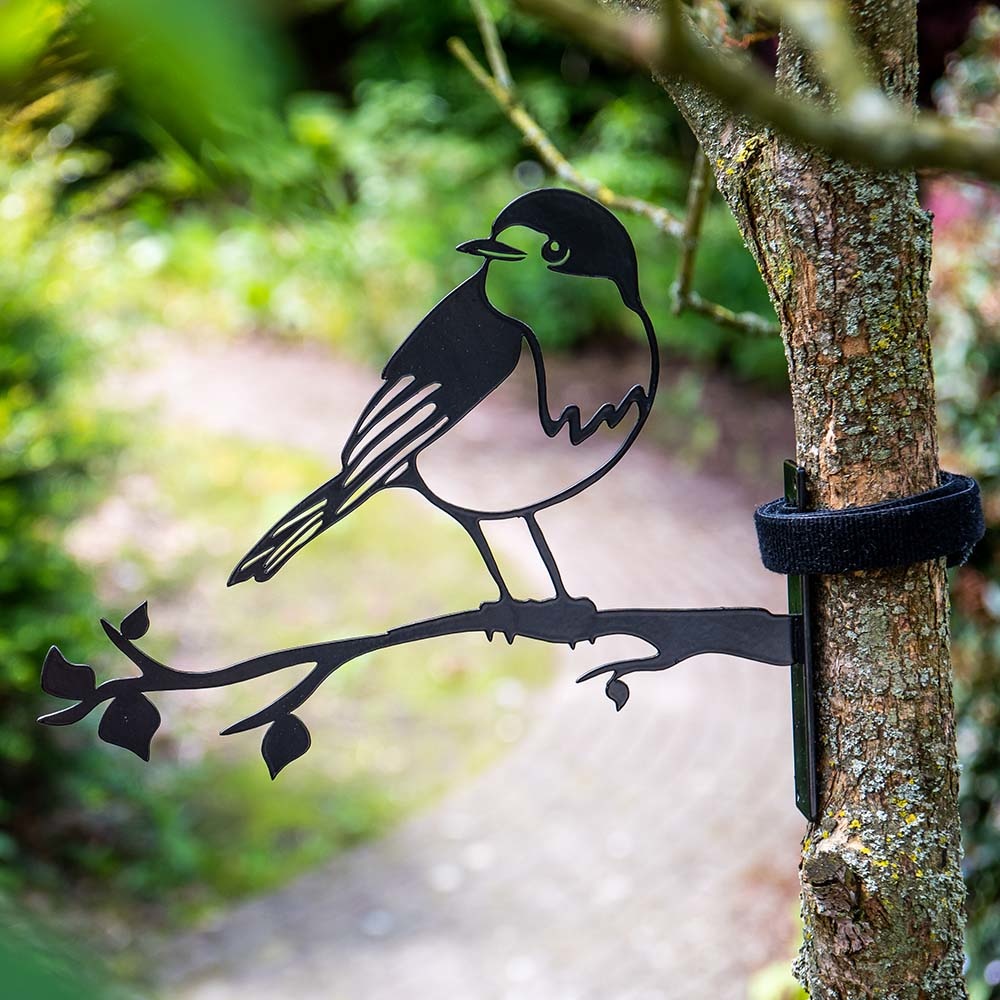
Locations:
(493, 249)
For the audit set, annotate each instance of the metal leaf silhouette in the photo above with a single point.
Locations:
(136, 623)
(64, 679)
(286, 740)
(130, 722)
(618, 692)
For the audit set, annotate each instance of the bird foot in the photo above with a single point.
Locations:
(575, 614)
(504, 616)
(564, 614)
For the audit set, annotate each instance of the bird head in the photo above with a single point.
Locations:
(580, 236)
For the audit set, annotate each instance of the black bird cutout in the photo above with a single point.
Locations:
(459, 354)
(461, 351)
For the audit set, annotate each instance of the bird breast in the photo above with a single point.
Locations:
(499, 458)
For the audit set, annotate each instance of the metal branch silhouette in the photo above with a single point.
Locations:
(458, 354)
(131, 720)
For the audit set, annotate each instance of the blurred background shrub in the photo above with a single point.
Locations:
(55, 445)
(289, 168)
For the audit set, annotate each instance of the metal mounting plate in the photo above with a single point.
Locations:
(803, 703)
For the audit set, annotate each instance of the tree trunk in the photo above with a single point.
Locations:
(845, 255)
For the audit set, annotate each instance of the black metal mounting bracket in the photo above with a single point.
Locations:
(803, 703)
(461, 351)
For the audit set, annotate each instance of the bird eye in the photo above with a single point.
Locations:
(555, 253)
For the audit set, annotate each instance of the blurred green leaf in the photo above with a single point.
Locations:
(213, 73)
(39, 965)
(26, 27)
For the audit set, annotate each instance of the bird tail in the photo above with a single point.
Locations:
(320, 510)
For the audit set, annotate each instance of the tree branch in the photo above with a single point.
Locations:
(884, 137)
(748, 322)
(699, 192)
(495, 54)
(824, 28)
(685, 298)
(675, 635)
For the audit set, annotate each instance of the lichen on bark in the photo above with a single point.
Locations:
(845, 254)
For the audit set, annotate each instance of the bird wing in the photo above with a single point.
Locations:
(458, 354)
(399, 420)
(455, 357)
(606, 415)
(402, 418)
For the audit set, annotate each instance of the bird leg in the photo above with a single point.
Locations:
(505, 612)
(472, 526)
(562, 595)
(546, 553)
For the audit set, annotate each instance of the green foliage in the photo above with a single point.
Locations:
(39, 964)
(49, 443)
(220, 96)
(396, 178)
(26, 28)
(420, 134)
(53, 439)
(357, 196)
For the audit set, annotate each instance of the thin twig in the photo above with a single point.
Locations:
(122, 189)
(747, 322)
(685, 298)
(495, 54)
(745, 41)
(536, 137)
(886, 140)
(699, 191)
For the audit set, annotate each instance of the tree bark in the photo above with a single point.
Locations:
(845, 255)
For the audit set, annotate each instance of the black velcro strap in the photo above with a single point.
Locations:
(944, 521)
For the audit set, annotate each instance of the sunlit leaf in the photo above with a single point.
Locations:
(25, 28)
(212, 73)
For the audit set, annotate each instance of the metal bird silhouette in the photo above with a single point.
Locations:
(462, 351)
(459, 354)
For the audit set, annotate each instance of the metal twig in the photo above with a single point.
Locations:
(675, 634)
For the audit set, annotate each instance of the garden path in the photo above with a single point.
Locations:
(648, 855)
